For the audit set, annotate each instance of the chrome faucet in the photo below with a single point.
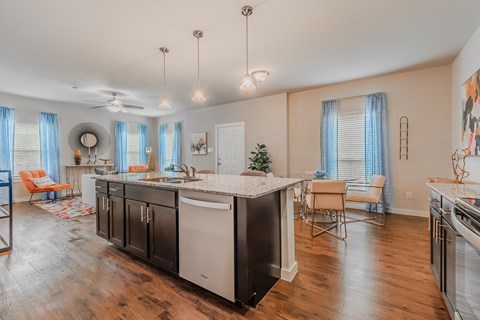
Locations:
(183, 168)
(194, 171)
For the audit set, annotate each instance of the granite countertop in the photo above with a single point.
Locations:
(232, 185)
(451, 191)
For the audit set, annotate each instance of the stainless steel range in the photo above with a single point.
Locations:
(466, 220)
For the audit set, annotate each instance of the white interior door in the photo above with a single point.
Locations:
(230, 148)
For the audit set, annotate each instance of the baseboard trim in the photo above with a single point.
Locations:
(406, 212)
(289, 274)
(409, 212)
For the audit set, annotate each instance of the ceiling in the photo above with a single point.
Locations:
(51, 45)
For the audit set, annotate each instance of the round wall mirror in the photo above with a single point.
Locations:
(88, 140)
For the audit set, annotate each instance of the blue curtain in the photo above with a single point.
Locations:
(177, 137)
(142, 135)
(162, 135)
(329, 140)
(121, 158)
(376, 150)
(7, 125)
(173, 156)
(50, 149)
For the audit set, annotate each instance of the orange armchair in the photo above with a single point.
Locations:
(138, 168)
(32, 188)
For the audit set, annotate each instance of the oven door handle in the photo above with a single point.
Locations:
(465, 230)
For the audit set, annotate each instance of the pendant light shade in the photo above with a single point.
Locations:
(164, 102)
(198, 95)
(247, 81)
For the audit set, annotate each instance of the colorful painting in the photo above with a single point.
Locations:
(198, 143)
(471, 115)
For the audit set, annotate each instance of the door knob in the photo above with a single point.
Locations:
(219, 163)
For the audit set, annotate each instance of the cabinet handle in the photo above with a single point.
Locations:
(103, 203)
(98, 187)
(108, 204)
(141, 213)
(149, 214)
(437, 223)
(113, 189)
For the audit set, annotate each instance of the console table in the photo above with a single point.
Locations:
(74, 172)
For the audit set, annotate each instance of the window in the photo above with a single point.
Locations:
(26, 147)
(169, 144)
(133, 145)
(351, 140)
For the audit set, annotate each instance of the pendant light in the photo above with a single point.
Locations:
(247, 81)
(198, 95)
(164, 103)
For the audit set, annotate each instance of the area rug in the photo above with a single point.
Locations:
(67, 208)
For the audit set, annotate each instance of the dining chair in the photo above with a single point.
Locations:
(327, 197)
(253, 173)
(371, 194)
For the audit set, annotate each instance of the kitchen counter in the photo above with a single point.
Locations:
(230, 185)
(451, 191)
(230, 234)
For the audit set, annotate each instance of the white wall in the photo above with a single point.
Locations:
(70, 115)
(265, 122)
(424, 96)
(466, 63)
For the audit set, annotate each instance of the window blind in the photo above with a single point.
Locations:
(26, 152)
(133, 145)
(351, 145)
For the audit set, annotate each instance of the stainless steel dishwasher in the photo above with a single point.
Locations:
(206, 241)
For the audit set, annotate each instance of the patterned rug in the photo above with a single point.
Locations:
(67, 208)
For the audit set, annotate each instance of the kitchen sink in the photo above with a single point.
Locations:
(172, 179)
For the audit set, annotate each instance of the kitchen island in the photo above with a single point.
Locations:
(232, 235)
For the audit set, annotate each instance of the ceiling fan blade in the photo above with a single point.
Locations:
(93, 101)
(98, 107)
(132, 107)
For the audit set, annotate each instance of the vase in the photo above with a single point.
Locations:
(77, 156)
(151, 162)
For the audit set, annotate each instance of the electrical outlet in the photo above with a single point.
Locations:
(210, 149)
(408, 195)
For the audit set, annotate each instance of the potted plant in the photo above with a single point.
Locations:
(260, 159)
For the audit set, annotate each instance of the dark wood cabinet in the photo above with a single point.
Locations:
(140, 219)
(436, 246)
(136, 228)
(442, 248)
(117, 221)
(101, 200)
(449, 240)
(163, 236)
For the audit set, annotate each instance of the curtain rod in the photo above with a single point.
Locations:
(352, 97)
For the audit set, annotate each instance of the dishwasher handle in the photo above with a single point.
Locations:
(205, 204)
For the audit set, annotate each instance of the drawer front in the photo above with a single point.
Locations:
(165, 198)
(116, 189)
(101, 186)
(435, 200)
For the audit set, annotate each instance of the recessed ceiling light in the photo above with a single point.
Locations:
(74, 87)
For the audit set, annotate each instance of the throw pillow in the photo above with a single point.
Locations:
(42, 182)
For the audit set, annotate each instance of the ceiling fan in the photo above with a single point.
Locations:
(116, 105)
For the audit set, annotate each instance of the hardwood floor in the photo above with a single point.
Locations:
(60, 269)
